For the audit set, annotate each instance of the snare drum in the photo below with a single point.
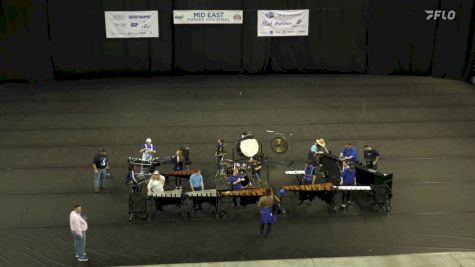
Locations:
(247, 146)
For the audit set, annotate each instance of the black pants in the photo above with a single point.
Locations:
(345, 196)
(265, 229)
(196, 202)
(158, 205)
(370, 165)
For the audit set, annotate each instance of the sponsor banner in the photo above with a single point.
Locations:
(207, 16)
(131, 24)
(282, 22)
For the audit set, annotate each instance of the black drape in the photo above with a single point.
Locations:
(80, 45)
(46, 39)
(24, 46)
(208, 47)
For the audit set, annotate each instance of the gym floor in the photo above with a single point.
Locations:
(424, 129)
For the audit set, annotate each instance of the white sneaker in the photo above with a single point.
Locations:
(83, 259)
(343, 205)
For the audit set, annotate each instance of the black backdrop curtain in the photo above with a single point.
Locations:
(47, 39)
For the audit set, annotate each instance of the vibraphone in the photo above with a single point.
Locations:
(209, 196)
(171, 197)
(326, 191)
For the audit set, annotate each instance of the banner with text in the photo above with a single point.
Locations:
(207, 16)
(282, 22)
(131, 24)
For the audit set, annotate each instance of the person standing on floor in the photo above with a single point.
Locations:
(148, 151)
(371, 157)
(348, 178)
(78, 228)
(100, 165)
(196, 184)
(266, 207)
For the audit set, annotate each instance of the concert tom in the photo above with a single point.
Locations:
(247, 146)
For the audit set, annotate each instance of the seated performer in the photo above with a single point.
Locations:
(131, 181)
(148, 150)
(349, 154)
(309, 177)
(179, 163)
(266, 207)
(196, 184)
(155, 186)
(256, 168)
(348, 177)
(235, 179)
(371, 157)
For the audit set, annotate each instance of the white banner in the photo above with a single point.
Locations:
(131, 24)
(207, 16)
(282, 22)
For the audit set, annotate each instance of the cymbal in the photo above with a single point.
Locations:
(279, 145)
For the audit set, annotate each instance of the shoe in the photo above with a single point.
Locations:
(350, 202)
(96, 191)
(343, 205)
(84, 255)
(102, 188)
(83, 259)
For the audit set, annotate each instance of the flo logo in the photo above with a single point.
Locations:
(442, 14)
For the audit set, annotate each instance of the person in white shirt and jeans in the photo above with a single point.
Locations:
(78, 229)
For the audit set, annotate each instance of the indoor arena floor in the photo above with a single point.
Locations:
(424, 129)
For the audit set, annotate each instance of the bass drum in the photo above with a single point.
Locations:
(247, 146)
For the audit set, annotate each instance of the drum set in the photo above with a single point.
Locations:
(247, 149)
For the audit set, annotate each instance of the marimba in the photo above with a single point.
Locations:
(251, 192)
(310, 187)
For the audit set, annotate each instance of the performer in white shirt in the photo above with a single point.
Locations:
(155, 186)
(78, 228)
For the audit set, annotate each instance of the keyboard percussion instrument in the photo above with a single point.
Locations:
(310, 187)
(203, 193)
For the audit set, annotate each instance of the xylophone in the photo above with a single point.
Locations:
(179, 175)
(310, 187)
(183, 173)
